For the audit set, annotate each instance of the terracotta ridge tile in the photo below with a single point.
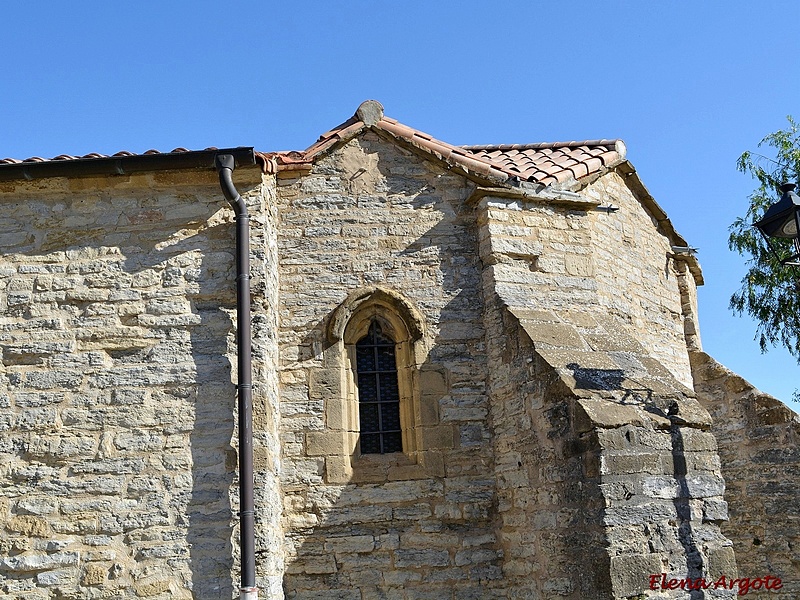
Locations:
(344, 131)
(336, 129)
(445, 151)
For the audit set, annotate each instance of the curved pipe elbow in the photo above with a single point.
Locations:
(225, 164)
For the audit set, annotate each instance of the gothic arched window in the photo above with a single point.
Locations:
(381, 425)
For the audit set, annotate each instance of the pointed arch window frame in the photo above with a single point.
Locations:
(397, 329)
(404, 324)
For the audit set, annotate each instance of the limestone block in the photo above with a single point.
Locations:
(429, 408)
(361, 514)
(649, 512)
(421, 558)
(630, 573)
(434, 463)
(39, 562)
(721, 561)
(715, 510)
(438, 437)
(324, 443)
(556, 335)
(704, 485)
(152, 586)
(663, 487)
(29, 525)
(338, 469)
(638, 462)
(94, 574)
(406, 473)
(37, 505)
(432, 383)
(580, 266)
(58, 577)
(688, 411)
(591, 413)
(351, 544)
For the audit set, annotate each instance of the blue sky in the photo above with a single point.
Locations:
(687, 85)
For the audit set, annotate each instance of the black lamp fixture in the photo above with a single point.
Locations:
(782, 220)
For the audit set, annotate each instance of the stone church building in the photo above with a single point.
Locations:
(476, 374)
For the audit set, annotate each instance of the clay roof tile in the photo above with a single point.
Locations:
(559, 162)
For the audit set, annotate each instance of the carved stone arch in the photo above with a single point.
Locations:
(395, 308)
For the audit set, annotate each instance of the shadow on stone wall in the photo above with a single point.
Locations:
(206, 514)
(695, 561)
(665, 410)
(425, 536)
(759, 444)
(157, 400)
(611, 379)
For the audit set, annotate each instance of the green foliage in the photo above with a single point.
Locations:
(770, 292)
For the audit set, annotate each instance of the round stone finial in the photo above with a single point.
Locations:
(370, 112)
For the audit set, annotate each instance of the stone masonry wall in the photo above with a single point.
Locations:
(557, 452)
(549, 506)
(571, 257)
(117, 302)
(636, 279)
(759, 444)
(600, 485)
(264, 288)
(373, 214)
(574, 257)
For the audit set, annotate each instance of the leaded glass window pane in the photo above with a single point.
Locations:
(378, 393)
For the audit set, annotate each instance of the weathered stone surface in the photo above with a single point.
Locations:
(112, 372)
(29, 526)
(631, 573)
(757, 438)
(39, 562)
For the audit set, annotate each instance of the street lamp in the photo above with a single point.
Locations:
(782, 220)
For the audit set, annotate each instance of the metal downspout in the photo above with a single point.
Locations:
(225, 163)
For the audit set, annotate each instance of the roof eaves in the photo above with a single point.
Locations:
(631, 177)
(123, 163)
(535, 192)
(303, 161)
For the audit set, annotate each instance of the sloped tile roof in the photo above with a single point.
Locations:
(544, 163)
(556, 162)
(125, 162)
(453, 155)
(122, 153)
(560, 164)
